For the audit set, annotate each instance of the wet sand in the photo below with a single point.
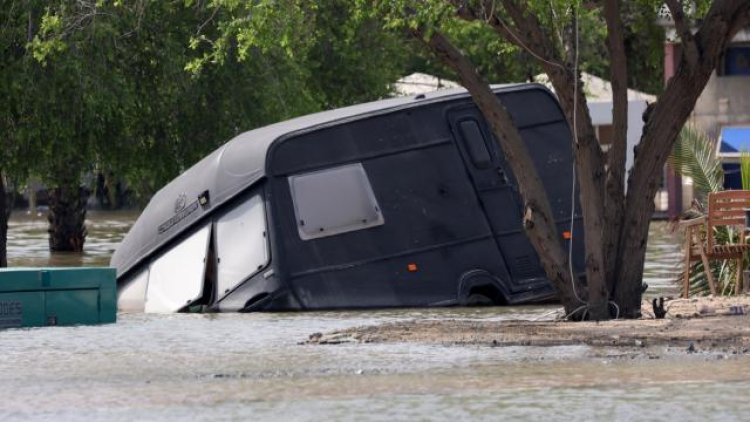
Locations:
(693, 325)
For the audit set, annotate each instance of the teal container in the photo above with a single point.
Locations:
(38, 297)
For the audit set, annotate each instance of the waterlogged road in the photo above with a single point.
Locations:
(252, 366)
(232, 366)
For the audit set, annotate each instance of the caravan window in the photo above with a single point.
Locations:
(241, 243)
(475, 144)
(333, 201)
(176, 278)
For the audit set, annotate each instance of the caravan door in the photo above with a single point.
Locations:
(497, 192)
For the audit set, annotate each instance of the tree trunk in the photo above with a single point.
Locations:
(616, 225)
(587, 152)
(614, 199)
(590, 171)
(664, 120)
(67, 215)
(588, 155)
(110, 182)
(538, 222)
(4, 215)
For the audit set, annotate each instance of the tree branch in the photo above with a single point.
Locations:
(539, 45)
(662, 125)
(587, 151)
(530, 35)
(539, 223)
(616, 158)
(682, 24)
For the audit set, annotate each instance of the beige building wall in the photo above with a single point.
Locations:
(724, 102)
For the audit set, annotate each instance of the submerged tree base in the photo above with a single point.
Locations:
(67, 219)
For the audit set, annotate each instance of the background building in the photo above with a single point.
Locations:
(722, 111)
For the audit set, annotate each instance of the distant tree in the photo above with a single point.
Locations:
(16, 32)
(141, 90)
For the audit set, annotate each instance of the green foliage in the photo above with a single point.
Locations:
(144, 89)
(268, 26)
(318, 55)
(745, 169)
(694, 156)
(501, 62)
(723, 271)
(353, 58)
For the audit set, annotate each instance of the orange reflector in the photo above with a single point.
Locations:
(412, 267)
(567, 235)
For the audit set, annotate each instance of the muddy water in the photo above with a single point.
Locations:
(28, 244)
(243, 366)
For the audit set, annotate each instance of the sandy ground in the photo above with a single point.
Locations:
(700, 324)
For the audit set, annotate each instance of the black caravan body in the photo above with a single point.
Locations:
(399, 202)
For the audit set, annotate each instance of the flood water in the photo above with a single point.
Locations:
(252, 366)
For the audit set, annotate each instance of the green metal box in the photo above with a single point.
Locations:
(37, 297)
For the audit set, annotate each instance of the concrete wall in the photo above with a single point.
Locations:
(724, 102)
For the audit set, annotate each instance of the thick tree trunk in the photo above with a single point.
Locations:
(112, 191)
(617, 225)
(538, 221)
(4, 215)
(664, 120)
(588, 155)
(614, 199)
(664, 123)
(67, 215)
(590, 171)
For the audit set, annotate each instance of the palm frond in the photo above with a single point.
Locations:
(694, 156)
(745, 169)
(723, 271)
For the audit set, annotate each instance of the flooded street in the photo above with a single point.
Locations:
(252, 366)
(28, 245)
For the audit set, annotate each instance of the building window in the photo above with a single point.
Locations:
(737, 61)
(733, 141)
(334, 201)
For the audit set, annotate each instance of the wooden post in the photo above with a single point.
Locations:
(740, 269)
(688, 252)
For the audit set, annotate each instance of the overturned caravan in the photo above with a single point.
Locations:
(400, 202)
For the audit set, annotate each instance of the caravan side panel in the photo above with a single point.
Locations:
(433, 228)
